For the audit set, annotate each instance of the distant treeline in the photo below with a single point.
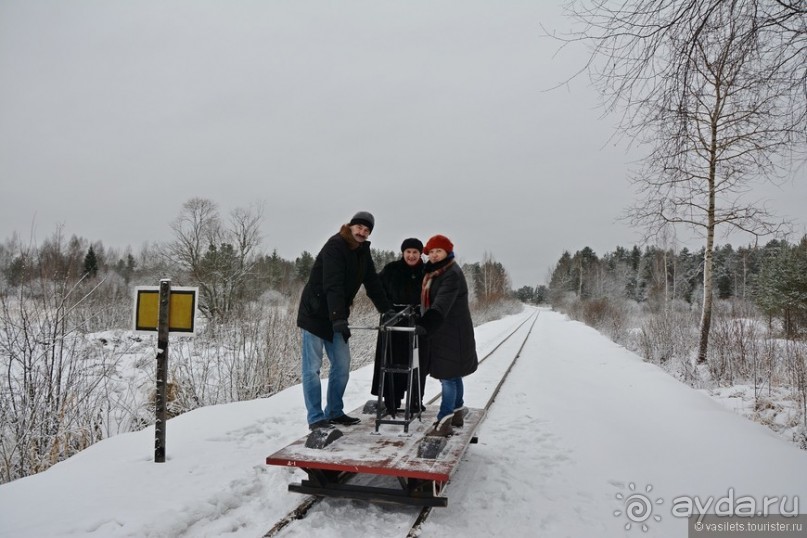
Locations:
(225, 278)
(220, 256)
(773, 277)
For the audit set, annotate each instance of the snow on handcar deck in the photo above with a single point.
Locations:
(390, 451)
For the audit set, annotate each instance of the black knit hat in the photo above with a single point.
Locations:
(363, 217)
(412, 242)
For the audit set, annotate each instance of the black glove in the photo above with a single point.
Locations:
(420, 330)
(340, 326)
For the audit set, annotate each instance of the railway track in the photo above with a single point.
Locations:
(420, 515)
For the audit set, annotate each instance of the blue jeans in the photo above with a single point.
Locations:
(339, 355)
(453, 391)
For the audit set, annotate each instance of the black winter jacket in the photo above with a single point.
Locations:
(338, 273)
(402, 284)
(451, 344)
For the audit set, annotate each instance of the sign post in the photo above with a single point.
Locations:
(162, 370)
(166, 311)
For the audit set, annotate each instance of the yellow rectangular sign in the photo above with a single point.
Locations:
(181, 309)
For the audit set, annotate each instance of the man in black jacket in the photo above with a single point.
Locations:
(339, 270)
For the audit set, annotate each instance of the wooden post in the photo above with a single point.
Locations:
(162, 371)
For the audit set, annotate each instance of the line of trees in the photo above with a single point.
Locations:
(220, 256)
(772, 277)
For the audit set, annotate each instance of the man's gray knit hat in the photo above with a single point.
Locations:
(363, 217)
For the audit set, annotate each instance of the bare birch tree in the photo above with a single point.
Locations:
(715, 91)
(217, 257)
(195, 229)
(491, 281)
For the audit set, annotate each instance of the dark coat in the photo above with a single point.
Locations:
(451, 345)
(339, 270)
(402, 285)
(402, 282)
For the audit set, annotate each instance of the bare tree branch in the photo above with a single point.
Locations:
(716, 90)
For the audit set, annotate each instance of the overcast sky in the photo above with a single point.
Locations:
(430, 114)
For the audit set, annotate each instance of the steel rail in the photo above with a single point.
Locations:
(414, 530)
(305, 506)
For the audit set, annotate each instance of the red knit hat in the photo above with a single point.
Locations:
(439, 241)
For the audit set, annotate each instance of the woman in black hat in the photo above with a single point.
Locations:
(402, 281)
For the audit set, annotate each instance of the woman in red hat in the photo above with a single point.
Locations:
(446, 321)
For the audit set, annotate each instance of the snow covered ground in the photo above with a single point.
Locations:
(580, 427)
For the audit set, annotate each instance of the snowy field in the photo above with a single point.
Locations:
(580, 426)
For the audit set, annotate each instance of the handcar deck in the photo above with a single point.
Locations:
(389, 452)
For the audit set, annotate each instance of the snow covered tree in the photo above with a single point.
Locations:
(303, 265)
(561, 282)
(275, 273)
(781, 286)
(490, 279)
(90, 263)
(585, 267)
(126, 268)
(525, 294)
(218, 258)
(383, 257)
